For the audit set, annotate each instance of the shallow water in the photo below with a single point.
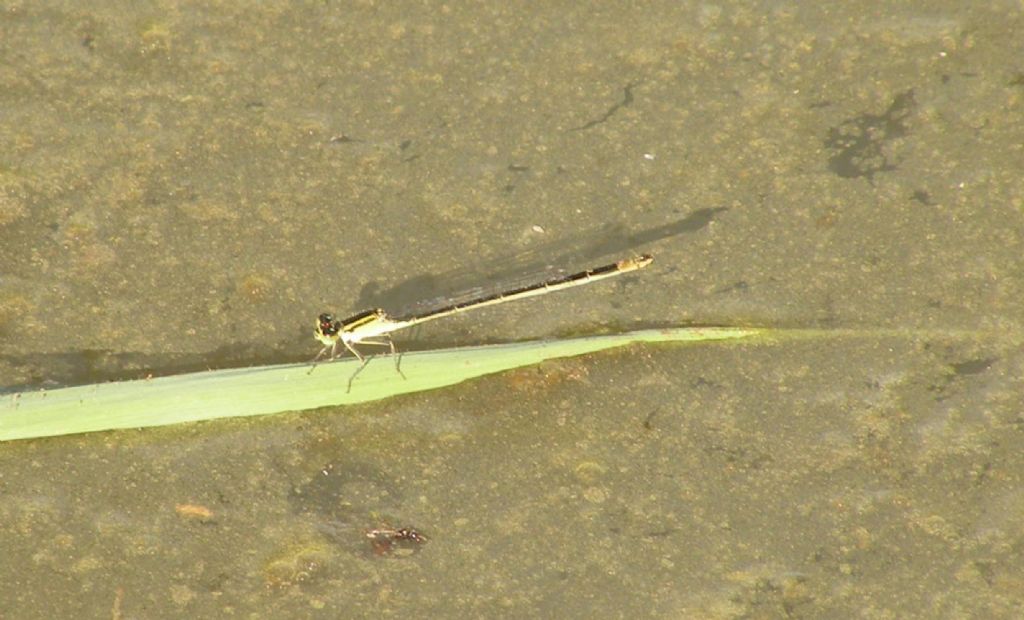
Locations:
(184, 187)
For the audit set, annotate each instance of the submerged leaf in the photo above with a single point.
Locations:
(291, 387)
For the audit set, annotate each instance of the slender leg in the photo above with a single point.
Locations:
(396, 355)
(353, 377)
(364, 360)
(332, 347)
(349, 346)
(394, 352)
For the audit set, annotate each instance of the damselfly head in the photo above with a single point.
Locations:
(326, 327)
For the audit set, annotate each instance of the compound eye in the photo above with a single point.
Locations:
(327, 326)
